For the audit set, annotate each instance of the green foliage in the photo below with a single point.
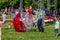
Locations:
(7, 3)
(26, 3)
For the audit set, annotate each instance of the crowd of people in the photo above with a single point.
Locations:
(33, 17)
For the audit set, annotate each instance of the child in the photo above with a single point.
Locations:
(3, 18)
(56, 26)
(35, 21)
(40, 20)
(0, 26)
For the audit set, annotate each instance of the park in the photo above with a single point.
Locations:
(18, 21)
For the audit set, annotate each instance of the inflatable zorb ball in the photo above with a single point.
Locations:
(28, 20)
(18, 23)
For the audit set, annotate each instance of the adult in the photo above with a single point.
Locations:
(9, 10)
(46, 11)
(55, 13)
(43, 16)
(29, 17)
(30, 10)
(12, 12)
(3, 17)
(6, 10)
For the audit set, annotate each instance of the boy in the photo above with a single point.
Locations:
(39, 21)
(56, 26)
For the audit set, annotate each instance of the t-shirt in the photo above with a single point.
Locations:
(38, 14)
(4, 18)
(57, 25)
(6, 10)
(34, 18)
(46, 11)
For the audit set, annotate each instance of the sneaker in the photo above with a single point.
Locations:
(57, 34)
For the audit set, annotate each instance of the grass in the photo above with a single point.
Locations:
(11, 34)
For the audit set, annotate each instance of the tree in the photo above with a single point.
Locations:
(26, 3)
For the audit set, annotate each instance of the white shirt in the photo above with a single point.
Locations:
(4, 18)
(57, 25)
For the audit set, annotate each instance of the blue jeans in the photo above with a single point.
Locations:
(56, 31)
(40, 26)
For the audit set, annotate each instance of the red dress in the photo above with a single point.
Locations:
(29, 11)
(18, 23)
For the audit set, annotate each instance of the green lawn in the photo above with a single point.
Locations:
(11, 34)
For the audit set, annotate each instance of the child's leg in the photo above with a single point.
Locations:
(34, 25)
(56, 32)
(41, 25)
(38, 25)
(42, 29)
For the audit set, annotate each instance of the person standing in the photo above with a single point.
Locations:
(12, 13)
(56, 25)
(55, 13)
(29, 17)
(6, 10)
(9, 10)
(43, 16)
(40, 21)
(3, 18)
